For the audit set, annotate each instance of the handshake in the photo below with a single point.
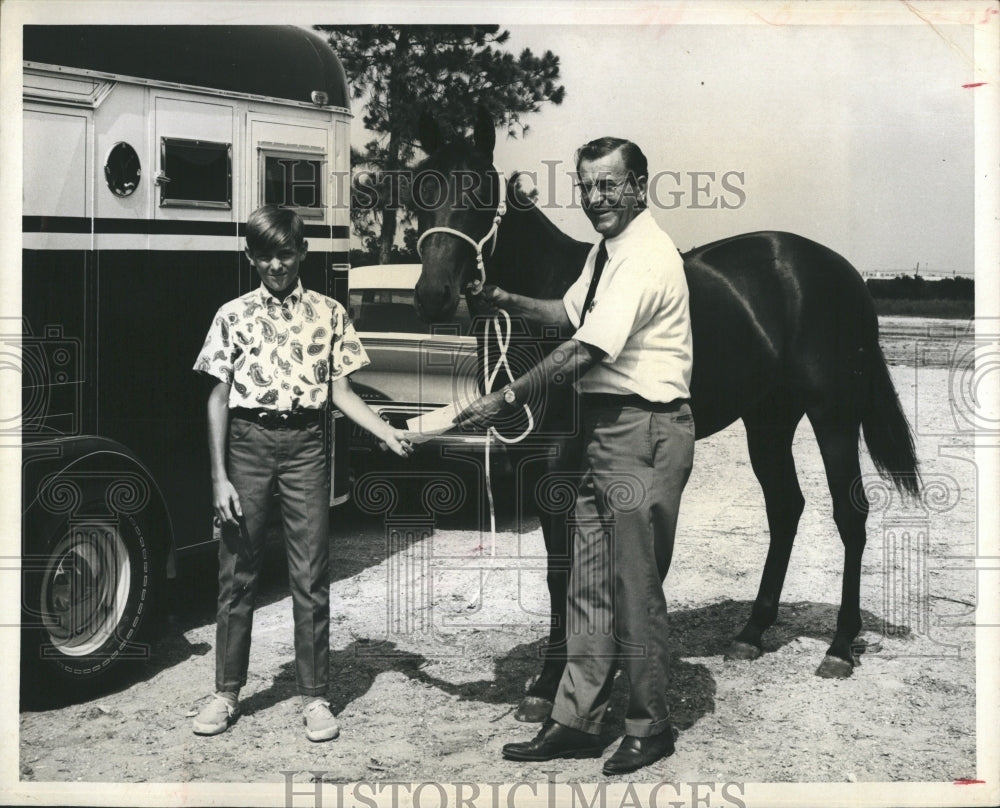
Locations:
(481, 413)
(433, 423)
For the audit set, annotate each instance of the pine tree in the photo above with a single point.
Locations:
(397, 71)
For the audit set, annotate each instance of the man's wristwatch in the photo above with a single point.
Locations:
(508, 395)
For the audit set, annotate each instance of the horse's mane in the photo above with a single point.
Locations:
(524, 201)
(542, 260)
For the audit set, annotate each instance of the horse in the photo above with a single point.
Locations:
(783, 327)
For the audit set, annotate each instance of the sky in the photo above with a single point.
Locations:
(847, 123)
(860, 137)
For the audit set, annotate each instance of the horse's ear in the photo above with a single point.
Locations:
(484, 135)
(429, 133)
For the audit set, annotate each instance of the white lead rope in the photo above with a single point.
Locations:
(489, 378)
(502, 334)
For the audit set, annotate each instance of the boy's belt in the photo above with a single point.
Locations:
(279, 419)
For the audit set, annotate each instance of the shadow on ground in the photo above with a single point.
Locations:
(705, 631)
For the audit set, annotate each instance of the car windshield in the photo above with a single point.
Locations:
(392, 310)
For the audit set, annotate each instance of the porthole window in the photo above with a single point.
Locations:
(195, 174)
(122, 171)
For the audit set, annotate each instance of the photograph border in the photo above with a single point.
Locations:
(984, 17)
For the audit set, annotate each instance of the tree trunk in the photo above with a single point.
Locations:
(387, 236)
(397, 78)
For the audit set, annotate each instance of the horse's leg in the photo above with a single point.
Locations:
(770, 430)
(838, 443)
(537, 702)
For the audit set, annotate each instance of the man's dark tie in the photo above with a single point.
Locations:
(599, 262)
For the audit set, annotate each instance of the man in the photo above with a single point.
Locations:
(276, 356)
(631, 359)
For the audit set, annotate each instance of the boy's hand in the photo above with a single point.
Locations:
(395, 440)
(226, 502)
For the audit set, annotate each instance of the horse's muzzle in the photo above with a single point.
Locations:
(434, 303)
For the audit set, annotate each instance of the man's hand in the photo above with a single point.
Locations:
(493, 298)
(482, 412)
(562, 367)
(535, 310)
(226, 502)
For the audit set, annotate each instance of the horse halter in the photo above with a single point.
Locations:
(476, 286)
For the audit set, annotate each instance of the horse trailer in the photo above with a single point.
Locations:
(145, 148)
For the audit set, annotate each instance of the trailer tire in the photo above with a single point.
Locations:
(90, 606)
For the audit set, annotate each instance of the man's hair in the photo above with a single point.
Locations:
(632, 156)
(271, 228)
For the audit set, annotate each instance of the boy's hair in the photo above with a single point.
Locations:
(271, 228)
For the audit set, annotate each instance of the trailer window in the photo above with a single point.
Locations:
(294, 180)
(195, 174)
(122, 170)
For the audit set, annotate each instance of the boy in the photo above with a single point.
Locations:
(278, 353)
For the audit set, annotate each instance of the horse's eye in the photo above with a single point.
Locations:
(428, 193)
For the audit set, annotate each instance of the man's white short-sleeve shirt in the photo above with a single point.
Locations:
(639, 316)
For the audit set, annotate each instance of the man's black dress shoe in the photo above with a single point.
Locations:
(634, 753)
(555, 740)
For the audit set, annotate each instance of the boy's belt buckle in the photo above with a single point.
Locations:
(276, 420)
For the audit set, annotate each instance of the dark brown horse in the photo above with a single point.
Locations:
(783, 327)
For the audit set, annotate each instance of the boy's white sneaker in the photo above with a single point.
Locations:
(319, 721)
(217, 715)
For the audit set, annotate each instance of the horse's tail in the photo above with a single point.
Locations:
(886, 430)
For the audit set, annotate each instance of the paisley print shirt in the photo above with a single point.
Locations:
(281, 355)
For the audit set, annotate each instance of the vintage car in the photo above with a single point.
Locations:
(415, 368)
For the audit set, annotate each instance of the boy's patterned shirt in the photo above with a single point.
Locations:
(281, 355)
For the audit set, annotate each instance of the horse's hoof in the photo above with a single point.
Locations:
(834, 668)
(742, 650)
(533, 710)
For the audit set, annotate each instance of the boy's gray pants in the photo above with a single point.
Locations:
(294, 460)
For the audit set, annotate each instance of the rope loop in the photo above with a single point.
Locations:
(503, 335)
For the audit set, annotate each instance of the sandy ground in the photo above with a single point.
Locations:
(434, 638)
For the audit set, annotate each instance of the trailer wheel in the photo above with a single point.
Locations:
(90, 604)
